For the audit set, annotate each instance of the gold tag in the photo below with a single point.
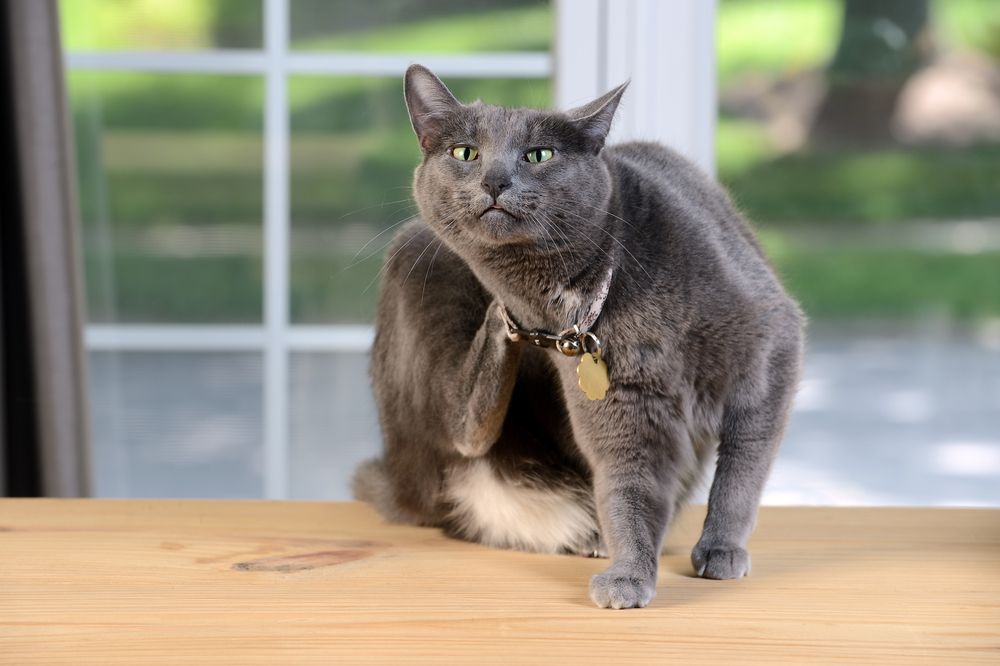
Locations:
(593, 373)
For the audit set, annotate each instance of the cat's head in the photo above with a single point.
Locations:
(493, 176)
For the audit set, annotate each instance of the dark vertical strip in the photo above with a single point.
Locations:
(48, 205)
(21, 468)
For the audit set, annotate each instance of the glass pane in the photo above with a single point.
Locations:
(352, 158)
(425, 26)
(171, 173)
(171, 424)
(153, 25)
(334, 423)
(863, 140)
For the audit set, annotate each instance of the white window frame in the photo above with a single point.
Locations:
(598, 44)
(666, 48)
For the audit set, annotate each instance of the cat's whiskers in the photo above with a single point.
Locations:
(424, 251)
(430, 266)
(378, 205)
(352, 263)
(628, 252)
(540, 223)
(410, 205)
(617, 264)
(607, 212)
(612, 237)
(573, 212)
(389, 261)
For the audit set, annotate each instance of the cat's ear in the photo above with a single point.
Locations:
(594, 120)
(429, 102)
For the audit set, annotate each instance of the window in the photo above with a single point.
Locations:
(242, 165)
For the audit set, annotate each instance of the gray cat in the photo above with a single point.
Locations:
(545, 262)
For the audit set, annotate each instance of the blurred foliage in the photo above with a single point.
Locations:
(781, 38)
(148, 146)
(124, 100)
(353, 151)
(443, 27)
(774, 37)
(786, 36)
(414, 26)
(871, 187)
(154, 289)
(852, 190)
(892, 284)
(969, 24)
(89, 25)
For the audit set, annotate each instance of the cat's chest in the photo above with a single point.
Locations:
(566, 301)
(557, 306)
(557, 310)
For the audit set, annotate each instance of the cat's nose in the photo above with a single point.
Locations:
(495, 184)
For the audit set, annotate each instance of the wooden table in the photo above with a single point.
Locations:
(176, 582)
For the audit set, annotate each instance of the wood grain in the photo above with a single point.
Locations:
(178, 582)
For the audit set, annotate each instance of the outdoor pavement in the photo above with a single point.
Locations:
(886, 415)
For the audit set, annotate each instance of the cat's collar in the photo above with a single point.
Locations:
(572, 340)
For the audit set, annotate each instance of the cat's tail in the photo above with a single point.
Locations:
(371, 485)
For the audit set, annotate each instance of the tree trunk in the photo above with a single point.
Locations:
(883, 42)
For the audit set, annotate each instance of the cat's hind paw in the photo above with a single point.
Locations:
(614, 590)
(590, 547)
(720, 563)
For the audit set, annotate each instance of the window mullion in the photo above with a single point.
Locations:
(276, 256)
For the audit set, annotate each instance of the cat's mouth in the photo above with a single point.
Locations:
(496, 213)
(499, 225)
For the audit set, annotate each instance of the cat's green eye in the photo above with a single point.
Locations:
(464, 153)
(539, 155)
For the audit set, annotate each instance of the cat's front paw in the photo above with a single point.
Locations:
(617, 589)
(720, 563)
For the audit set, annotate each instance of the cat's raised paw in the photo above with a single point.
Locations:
(614, 590)
(720, 563)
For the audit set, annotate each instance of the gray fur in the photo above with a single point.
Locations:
(703, 345)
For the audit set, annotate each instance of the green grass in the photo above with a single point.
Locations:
(147, 289)
(335, 289)
(892, 285)
(852, 191)
(870, 188)
(126, 100)
(739, 146)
